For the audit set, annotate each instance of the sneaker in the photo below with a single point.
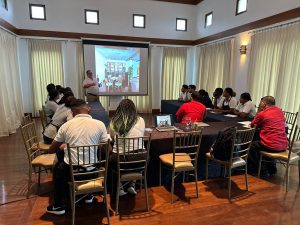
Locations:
(122, 192)
(59, 210)
(89, 199)
(132, 191)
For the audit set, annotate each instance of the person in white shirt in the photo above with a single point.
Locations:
(218, 98)
(126, 123)
(184, 93)
(62, 114)
(51, 105)
(191, 89)
(90, 83)
(245, 108)
(228, 103)
(81, 130)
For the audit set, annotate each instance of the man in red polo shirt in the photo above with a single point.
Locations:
(272, 136)
(194, 110)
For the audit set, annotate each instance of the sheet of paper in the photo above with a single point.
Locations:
(201, 124)
(230, 115)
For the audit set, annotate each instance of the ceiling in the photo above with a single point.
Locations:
(190, 2)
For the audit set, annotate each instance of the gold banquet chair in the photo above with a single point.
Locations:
(26, 119)
(184, 158)
(132, 163)
(88, 173)
(286, 158)
(238, 155)
(290, 120)
(36, 160)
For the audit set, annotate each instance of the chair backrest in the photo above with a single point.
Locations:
(187, 142)
(242, 143)
(295, 139)
(88, 162)
(43, 118)
(30, 140)
(290, 119)
(133, 153)
(26, 119)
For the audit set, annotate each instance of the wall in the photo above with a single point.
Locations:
(224, 13)
(8, 14)
(115, 17)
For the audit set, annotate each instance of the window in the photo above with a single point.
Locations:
(241, 7)
(139, 21)
(91, 16)
(181, 24)
(37, 12)
(208, 19)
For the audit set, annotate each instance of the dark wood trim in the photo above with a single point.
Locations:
(85, 16)
(141, 15)
(8, 26)
(212, 17)
(288, 15)
(185, 24)
(39, 5)
(236, 9)
(155, 111)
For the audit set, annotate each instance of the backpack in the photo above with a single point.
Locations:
(221, 149)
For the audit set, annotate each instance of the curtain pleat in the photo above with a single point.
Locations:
(11, 110)
(274, 67)
(46, 67)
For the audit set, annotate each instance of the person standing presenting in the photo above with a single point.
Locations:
(90, 83)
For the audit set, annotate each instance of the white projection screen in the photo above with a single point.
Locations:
(121, 68)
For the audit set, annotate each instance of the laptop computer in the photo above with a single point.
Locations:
(164, 122)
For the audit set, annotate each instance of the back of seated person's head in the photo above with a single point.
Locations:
(228, 91)
(202, 92)
(218, 92)
(64, 98)
(53, 95)
(269, 100)
(58, 88)
(69, 100)
(50, 87)
(79, 106)
(246, 97)
(192, 87)
(196, 96)
(184, 87)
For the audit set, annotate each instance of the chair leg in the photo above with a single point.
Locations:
(146, 193)
(159, 173)
(183, 176)
(196, 181)
(72, 198)
(259, 165)
(229, 183)
(299, 170)
(117, 197)
(287, 177)
(39, 177)
(106, 205)
(172, 187)
(206, 172)
(246, 176)
(29, 182)
(225, 171)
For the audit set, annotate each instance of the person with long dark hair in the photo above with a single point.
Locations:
(126, 123)
(228, 103)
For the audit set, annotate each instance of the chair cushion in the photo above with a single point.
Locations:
(131, 176)
(281, 155)
(45, 160)
(94, 184)
(236, 162)
(168, 160)
(43, 146)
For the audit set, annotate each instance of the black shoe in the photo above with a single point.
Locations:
(57, 210)
(89, 199)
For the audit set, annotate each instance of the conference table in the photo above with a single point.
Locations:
(162, 143)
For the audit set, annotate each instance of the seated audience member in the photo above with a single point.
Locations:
(271, 123)
(62, 114)
(194, 110)
(90, 83)
(245, 108)
(126, 123)
(49, 87)
(60, 90)
(191, 88)
(205, 99)
(228, 103)
(217, 97)
(81, 130)
(184, 93)
(51, 105)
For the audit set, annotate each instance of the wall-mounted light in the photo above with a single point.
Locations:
(243, 49)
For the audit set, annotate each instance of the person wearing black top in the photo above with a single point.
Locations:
(204, 99)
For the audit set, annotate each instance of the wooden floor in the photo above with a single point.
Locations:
(266, 203)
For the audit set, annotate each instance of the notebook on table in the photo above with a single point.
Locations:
(164, 122)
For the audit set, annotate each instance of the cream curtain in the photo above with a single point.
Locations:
(10, 90)
(80, 69)
(46, 67)
(214, 65)
(173, 71)
(274, 67)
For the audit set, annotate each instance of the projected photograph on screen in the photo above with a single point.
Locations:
(117, 68)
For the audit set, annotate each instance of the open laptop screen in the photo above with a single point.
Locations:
(163, 120)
